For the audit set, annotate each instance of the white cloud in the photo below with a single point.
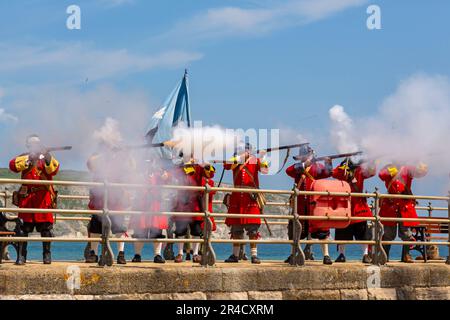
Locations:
(237, 21)
(6, 117)
(114, 3)
(76, 60)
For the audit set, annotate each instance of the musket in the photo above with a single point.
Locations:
(282, 147)
(340, 155)
(286, 147)
(53, 149)
(169, 144)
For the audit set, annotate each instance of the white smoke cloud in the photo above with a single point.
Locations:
(205, 142)
(70, 116)
(109, 133)
(411, 125)
(343, 133)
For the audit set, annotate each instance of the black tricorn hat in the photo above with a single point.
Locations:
(304, 151)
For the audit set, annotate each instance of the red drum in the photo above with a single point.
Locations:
(330, 206)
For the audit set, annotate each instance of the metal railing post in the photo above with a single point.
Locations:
(424, 233)
(298, 256)
(107, 257)
(379, 256)
(208, 254)
(6, 197)
(448, 230)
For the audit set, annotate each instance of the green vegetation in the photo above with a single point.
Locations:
(65, 175)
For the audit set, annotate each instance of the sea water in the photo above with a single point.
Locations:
(74, 251)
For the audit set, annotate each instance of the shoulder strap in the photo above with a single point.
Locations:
(240, 168)
(251, 177)
(303, 177)
(399, 177)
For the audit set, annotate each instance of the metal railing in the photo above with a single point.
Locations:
(208, 254)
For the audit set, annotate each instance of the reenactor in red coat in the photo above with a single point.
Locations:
(245, 167)
(150, 225)
(398, 180)
(37, 164)
(305, 172)
(113, 166)
(355, 173)
(192, 174)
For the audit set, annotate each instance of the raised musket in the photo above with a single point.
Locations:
(338, 156)
(169, 144)
(53, 149)
(291, 146)
(286, 147)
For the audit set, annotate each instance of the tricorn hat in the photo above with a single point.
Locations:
(304, 151)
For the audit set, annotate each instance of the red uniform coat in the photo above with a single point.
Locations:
(240, 202)
(39, 197)
(192, 201)
(151, 203)
(399, 183)
(210, 202)
(360, 208)
(307, 176)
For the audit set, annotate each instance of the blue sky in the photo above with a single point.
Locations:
(252, 63)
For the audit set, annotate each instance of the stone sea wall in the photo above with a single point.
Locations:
(243, 281)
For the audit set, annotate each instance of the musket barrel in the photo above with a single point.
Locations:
(282, 147)
(64, 148)
(143, 146)
(341, 155)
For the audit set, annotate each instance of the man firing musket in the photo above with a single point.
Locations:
(245, 166)
(36, 164)
(355, 172)
(305, 172)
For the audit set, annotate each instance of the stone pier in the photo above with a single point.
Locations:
(270, 280)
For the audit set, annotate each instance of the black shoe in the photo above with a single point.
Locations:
(327, 260)
(47, 257)
(232, 259)
(121, 258)
(366, 259)
(91, 257)
(188, 256)
(137, 258)
(255, 260)
(340, 258)
(288, 260)
(159, 259)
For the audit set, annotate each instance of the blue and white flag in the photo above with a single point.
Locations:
(175, 110)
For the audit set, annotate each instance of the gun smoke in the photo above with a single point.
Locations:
(410, 126)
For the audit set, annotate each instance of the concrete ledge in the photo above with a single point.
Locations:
(268, 281)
